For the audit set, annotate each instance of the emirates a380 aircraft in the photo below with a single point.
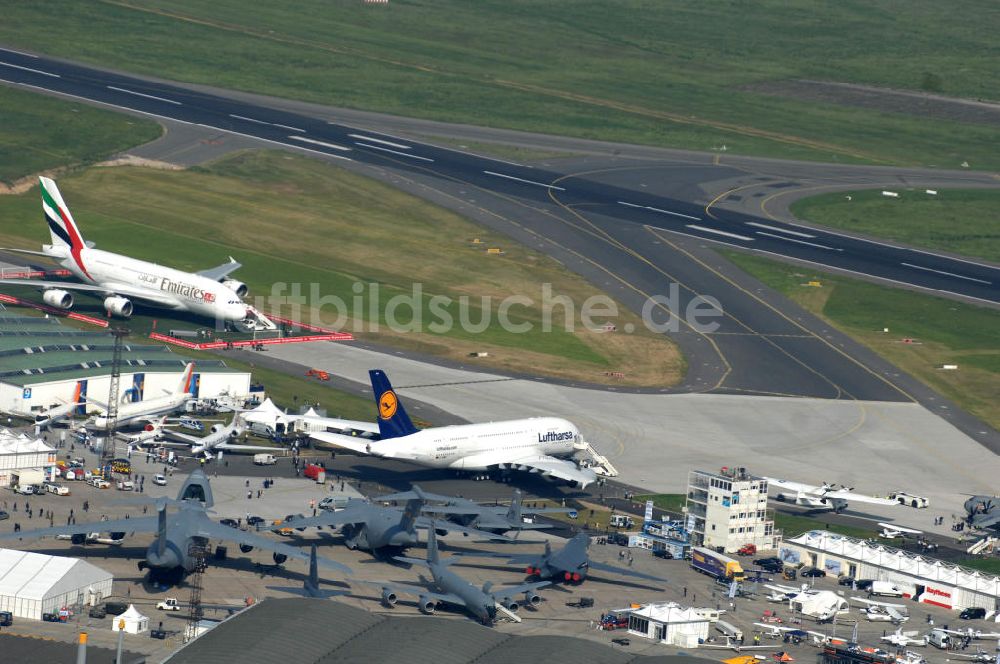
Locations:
(120, 279)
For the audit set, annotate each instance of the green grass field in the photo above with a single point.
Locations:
(792, 525)
(38, 133)
(988, 565)
(674, 74)
(944, 331)
(961, 221)
(671, 502)
(292, 220)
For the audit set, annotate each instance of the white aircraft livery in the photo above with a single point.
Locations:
(120, 279)
(533, 445)
(148, 410)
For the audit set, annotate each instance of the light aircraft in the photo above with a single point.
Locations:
(169, 556)
(891, 531)
(875, 611)
(534, 445)
(485, 603)
(120, 279)
(570, 564)
(490, 518)
(372, 527)
(777, 631)
(973, 633)
(979, 656)
(149, 409)
(825, 497)
(219, 439)
(901, 639)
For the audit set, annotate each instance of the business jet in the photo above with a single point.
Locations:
(535, 445)
(120, 279)
(824, 497)
(151, 409)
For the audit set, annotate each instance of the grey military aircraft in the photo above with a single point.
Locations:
(485, 603)
(570, 564)
(490, 518)
(983, 512)
(178, 536)
(371, 527)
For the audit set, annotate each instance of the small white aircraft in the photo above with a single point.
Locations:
(979, 656)
(975, 634)
(901, 639)
(150, 433)
(891, 531)
(219, 439)
(119, 279)
(777, 631)
(149, 409)
(826, 496)
(883, 611)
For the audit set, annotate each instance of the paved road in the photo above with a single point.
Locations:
(620, 201)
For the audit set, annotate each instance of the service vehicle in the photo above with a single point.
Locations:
(25, 489)
(904, 498)
(333, 503)
(57, 489)
(100, 483)
(582, 603)
(747, 550)
(972, 613)
(621, 521)
(126, 485)
(160, 479)
(885, 589)
(939, 639)
(716, 565)
(168, 604)
(264, 459)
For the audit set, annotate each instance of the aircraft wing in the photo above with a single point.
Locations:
(243, 448)
(353, 443)
(508, 592)
(986, 520)
(144, 524)
(146, 295)
(451, 598)
(448, 509)
(623, 570)
(220, 272)
(327, 518)
(794, 486)
(538, 463)
(338, 425)
(213, 530)
(859, 497)
(425, 522)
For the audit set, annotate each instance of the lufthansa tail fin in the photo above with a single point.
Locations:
(393, 422)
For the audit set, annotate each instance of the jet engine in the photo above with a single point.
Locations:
(427, 605)
(118, 306)
(237, 287)
(532, 598)
(58, 298)
(78, 538)
(389, 598)
(279, 558)
(510, 605)
(246, 548)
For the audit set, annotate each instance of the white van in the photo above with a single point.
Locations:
(939, 639)
(264, 459)
(885, 589)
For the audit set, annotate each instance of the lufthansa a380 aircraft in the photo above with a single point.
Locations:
(120, 279)
(535, 445)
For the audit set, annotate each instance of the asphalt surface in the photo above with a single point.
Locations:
(631, 227)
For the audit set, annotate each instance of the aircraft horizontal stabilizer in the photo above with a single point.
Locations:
(353, 443)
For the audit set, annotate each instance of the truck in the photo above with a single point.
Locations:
(168, 604)
(715, 564)
(264, 459)
(621, 521)
(884, 589)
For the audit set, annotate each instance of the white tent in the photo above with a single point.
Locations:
(670, 623)
(266, 413)
(32, 583)
(131, 621)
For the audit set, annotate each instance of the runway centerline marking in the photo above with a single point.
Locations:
(380, 141)
(315, 142)
(653, 209)
(396, 152)
(948, 274)
(780, 230)
(142, 94)
(289, 128)
(718, 232)
(790, 239)
(34, 71)
(537, 184)
(243, 117)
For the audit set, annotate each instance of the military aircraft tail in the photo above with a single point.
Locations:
(393, 422)
(161, 530)
(196, 487)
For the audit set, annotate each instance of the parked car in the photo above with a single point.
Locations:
(865, 584)
(663, 553)
(770, 564)
(812, 572)
(229, 522)
(159, 479)
(973, 613)
(115, 608)
(621, 641)
(98, 611)
(845, 581)
(254, 521)
(25, 489)
(4, 515)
